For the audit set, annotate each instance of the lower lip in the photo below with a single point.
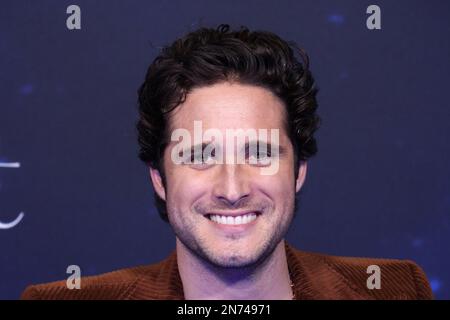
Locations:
(234, 227)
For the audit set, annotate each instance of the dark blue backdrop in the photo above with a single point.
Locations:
(379, 186)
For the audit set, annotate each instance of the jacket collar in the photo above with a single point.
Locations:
(312, 277)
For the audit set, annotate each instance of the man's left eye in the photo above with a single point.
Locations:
(259, 157)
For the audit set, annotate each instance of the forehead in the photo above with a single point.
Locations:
(230, 106)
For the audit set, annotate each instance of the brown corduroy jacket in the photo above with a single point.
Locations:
(315, 276)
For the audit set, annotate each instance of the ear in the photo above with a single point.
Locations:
(157, 183)
(301, 176)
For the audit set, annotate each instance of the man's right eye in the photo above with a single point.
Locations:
(197, 158)
(200, 160)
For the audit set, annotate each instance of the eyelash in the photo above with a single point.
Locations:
(194, 156)
(203, 163)
(267, 153)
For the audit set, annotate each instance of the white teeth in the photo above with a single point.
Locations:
(247, 218)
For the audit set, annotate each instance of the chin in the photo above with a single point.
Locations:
(232, 261)
(234, 256)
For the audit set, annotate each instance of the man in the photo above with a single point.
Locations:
(210, 99)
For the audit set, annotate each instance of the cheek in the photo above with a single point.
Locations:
(183, 187)
(279, 187)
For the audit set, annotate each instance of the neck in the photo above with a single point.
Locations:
(201, 280)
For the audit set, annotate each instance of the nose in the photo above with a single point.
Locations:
(231, 185)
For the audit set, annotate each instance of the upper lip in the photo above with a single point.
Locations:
(233, 213)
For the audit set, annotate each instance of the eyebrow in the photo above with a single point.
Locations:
(269, 146)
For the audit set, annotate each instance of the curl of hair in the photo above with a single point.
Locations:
(208, 56)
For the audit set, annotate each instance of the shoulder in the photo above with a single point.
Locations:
(116, 285)
(365, 278)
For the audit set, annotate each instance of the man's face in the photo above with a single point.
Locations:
(230, 214)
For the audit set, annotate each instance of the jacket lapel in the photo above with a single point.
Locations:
(314, 278)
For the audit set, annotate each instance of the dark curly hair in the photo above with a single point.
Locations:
(208, 56)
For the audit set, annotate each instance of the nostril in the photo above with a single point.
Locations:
(233, 201)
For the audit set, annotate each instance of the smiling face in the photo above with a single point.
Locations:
(230, 214)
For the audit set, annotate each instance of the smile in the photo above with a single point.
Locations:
(233, 220)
